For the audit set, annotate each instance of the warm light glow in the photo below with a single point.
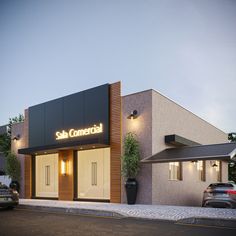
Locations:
(200, 165)
(217, 166)
(214, 164)
(173, 164)
(72, 133)
(194, 163)
(63, 167)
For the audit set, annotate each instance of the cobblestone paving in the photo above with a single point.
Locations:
(162, 212)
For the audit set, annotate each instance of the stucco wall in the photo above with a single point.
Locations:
(142, 127)
(18, 129)
(170, 118)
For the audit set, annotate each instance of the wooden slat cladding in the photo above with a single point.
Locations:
(66, 183)
(28, 159)
(115, 142)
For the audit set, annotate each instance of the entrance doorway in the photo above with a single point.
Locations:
(94, 174)
(46, 175)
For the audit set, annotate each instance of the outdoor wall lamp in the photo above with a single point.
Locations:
(133, 115)
(213, 164)
(194, 162)
(15, 138)
(64, 167)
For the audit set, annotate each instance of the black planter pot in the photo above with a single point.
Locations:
(131, 187)
(15, 185)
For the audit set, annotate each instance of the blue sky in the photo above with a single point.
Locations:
(184, 49)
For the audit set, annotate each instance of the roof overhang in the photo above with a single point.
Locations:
(75, 145)
(177, 140)
(223, 151)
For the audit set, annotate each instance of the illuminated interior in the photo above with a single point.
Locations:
(94, 174)
(46, 175)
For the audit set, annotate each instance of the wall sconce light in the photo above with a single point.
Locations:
(194, 162)
(133, 115)
(15, 138)
(64, 167)
(213, 164)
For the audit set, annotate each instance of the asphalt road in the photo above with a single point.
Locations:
(27, 222)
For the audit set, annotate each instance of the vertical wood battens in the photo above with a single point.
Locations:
(115, 142)
(66, 183)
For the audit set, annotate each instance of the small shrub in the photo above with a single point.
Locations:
(13, 168)
(131, 157)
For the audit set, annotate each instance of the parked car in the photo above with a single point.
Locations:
(9, 197)
(221, 195)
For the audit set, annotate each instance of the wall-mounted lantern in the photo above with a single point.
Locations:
(133, 115)
(194, 162)
(64, 167)
(213, 164)
(15, 138)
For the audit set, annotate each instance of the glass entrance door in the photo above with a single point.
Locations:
(46, 176)
(94, 174)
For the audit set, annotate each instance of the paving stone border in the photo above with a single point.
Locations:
(177, 214)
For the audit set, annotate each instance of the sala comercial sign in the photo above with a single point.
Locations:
(73, 133)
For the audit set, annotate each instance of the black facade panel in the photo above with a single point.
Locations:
(77, 111)
(36, 125)
(95, 111)
(53, 119)
(74, 104)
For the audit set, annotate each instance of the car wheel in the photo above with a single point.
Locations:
(10, 207)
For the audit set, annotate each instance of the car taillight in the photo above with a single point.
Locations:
(231, 192)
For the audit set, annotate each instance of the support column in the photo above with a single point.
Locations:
(66, 182)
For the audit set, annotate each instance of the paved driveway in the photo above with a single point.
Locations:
(159, 212)
(33, 223)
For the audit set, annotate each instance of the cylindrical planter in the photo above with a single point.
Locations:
(131, 187)
(15, 185)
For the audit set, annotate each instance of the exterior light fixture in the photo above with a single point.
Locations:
(213, 164)
(133, 115)
(194, 162)
(15, 138)
(232, 136)
(63, 167)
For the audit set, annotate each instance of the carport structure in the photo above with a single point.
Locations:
(223, 152)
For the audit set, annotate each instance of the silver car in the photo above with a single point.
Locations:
(9, 198)
(221, 195)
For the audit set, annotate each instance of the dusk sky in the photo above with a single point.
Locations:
(185, 49)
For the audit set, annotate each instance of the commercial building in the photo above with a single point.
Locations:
(70, 148)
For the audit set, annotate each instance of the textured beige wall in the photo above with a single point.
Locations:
(142, 127)
(18, 129)
(170, 118)
(189, 191)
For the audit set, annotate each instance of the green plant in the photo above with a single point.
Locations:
(16, 119)
(5, 139)
(13, 168)
(5, 143)
(131, 157)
